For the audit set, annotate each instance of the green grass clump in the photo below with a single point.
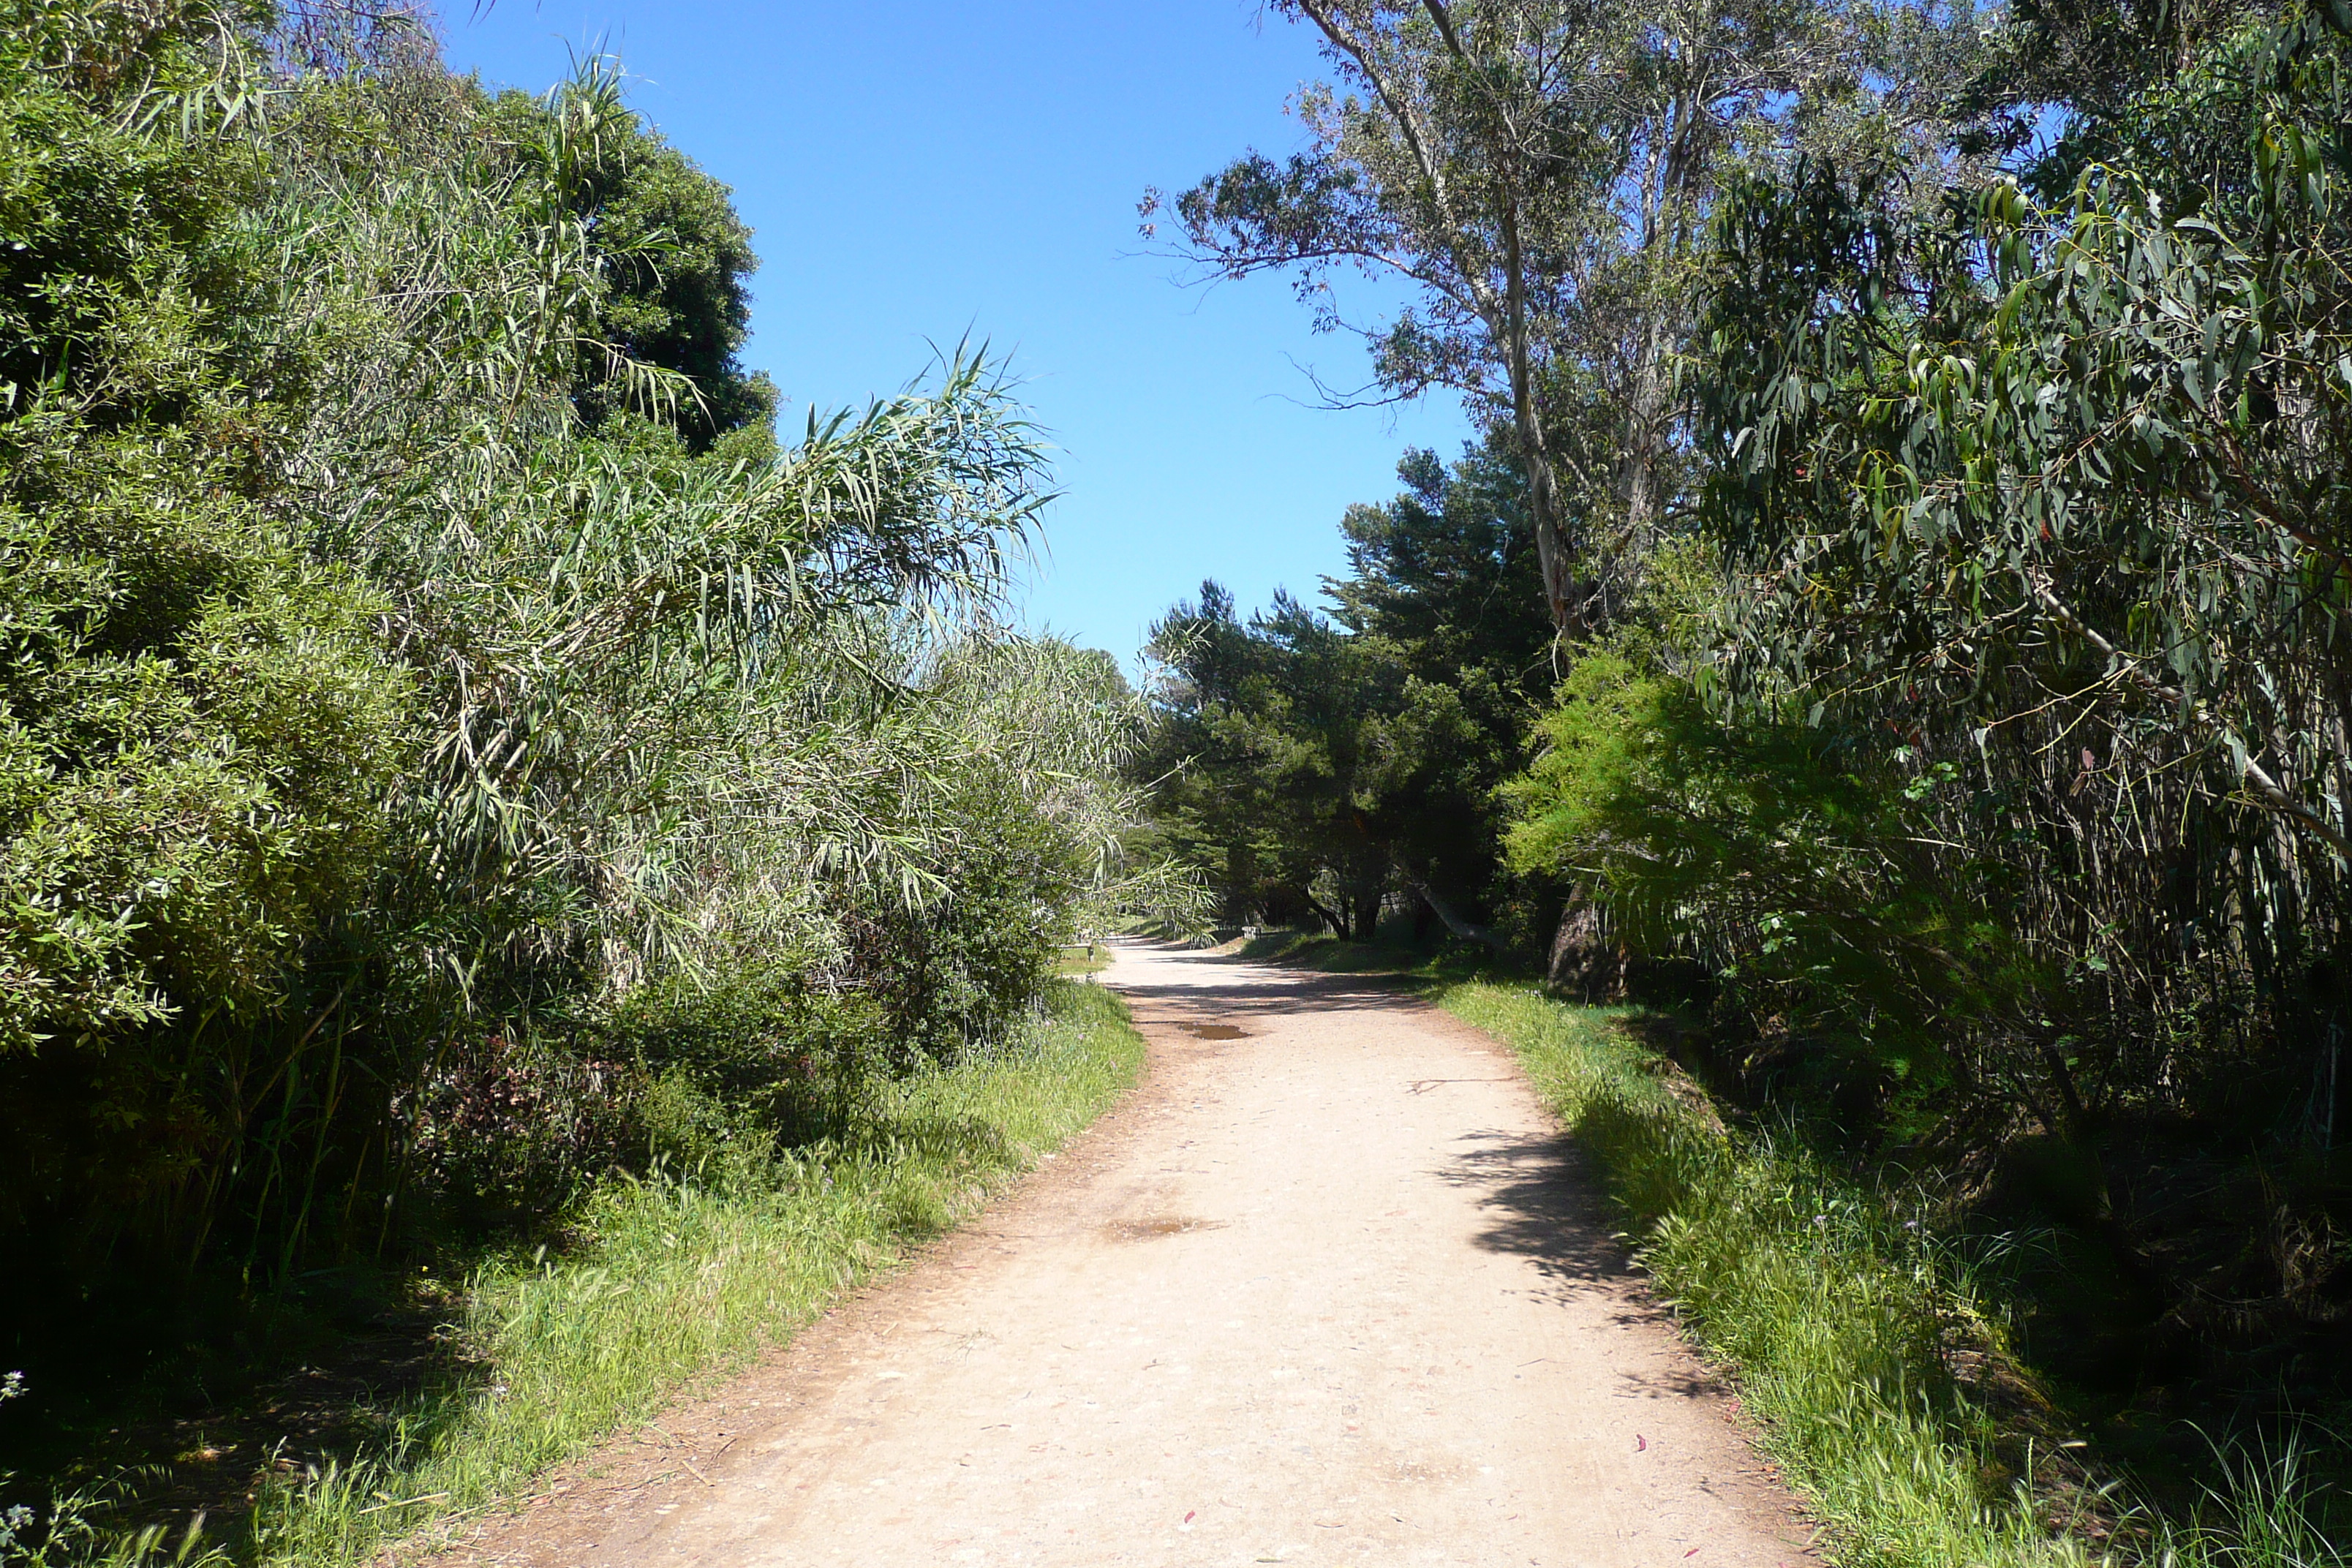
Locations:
(675, 1280)
(1835, 1311)
(2264, 1514)
(1827, 1306)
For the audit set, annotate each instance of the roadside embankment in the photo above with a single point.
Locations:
(1872, 1352)
(667, 1282)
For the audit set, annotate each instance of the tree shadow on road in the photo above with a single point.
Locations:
(1259, 990)
(1544, 1201)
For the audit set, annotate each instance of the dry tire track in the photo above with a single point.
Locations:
(1328, 1288)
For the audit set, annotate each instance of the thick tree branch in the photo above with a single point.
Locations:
(1445, 21)
(1468, 930)
(1417, 140)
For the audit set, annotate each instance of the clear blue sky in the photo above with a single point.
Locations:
(920, 168)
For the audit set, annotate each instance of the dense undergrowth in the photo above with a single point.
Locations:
(1876, 1351)
(468, 784)
(668, 1278)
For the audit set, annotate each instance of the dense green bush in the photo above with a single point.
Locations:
(449, 749)
(1797, 862)
(963, 969)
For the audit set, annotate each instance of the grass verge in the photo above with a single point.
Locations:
(1833, 1312)
(1867, 1350)
(671, 1282)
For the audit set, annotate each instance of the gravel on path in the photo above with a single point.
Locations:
(1330, 1287)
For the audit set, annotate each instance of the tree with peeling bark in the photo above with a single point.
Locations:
(1540, 171)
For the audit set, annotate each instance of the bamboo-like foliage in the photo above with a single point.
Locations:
(587, 709)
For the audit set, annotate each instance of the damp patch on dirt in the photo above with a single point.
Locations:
(1213, 1031)
(1168, 1225)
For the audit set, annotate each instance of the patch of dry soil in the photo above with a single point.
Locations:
(1330, 1288)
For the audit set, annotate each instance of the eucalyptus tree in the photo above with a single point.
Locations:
(1539, 171)
(2030, 747)
(2125, 447)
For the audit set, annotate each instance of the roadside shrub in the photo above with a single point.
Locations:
(961, 970)
(505, 1131)
(1879, 977)
(198, 729)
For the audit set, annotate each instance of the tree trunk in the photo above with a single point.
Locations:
(1637, 465)
(1554, 559)
(1467, 929)
(1336, 921)
(1584, 963)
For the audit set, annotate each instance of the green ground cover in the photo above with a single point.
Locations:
(671, 1282)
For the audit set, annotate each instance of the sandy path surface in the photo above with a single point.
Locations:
(1328, 1288)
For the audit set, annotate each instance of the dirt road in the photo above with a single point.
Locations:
(1328, 1288)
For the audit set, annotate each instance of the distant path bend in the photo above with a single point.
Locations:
(1332, 1288)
